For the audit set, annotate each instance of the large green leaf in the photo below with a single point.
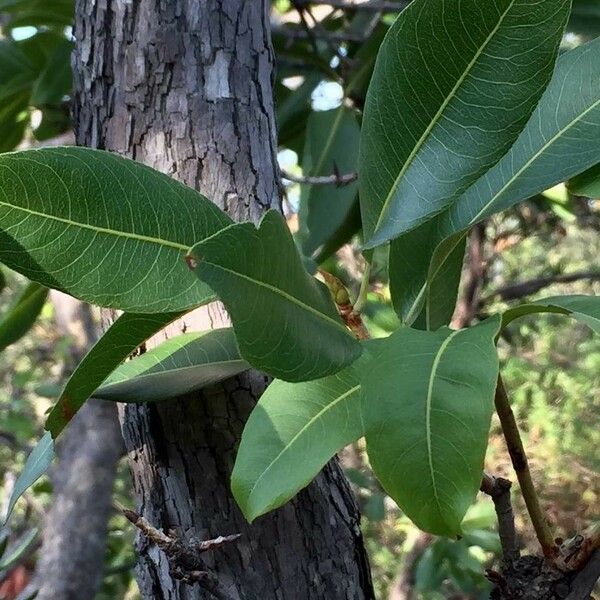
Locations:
(120, 340)
(103, 228)
(455, 82)
(559, 141)
(285, 321)
(331, 144)
(585, 309)
(178, 366)
(37, 463)
(292, 433)
(428, 401)
(21, 317)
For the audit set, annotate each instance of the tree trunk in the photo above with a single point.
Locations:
(186, 87)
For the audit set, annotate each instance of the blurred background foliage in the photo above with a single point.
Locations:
(548, 245)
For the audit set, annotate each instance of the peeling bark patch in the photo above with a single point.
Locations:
(217, 77)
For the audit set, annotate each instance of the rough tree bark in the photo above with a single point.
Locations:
(186, 87)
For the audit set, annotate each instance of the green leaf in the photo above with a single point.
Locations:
(559, 141)
(331, 146)
(436, 307)
(285, 321)
(188, 362)
(587, 183)
(585, 309)
(55, 80)
(291, 434)
(454, 83)
(120, 340)
(293, 109)
(13, 120)
(103, 228)
(22, 316)
(37, 13)
(20, 551)
(2, 280)
(428, 401)
(585, 18)
(37, 463)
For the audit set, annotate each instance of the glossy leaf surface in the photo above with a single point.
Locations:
(558, 142)
(285, 321)
(428, 401)
(178, 366)
(585, 309)
(103, 228)
(454, 83)
(120, 340)
(22, 316)
(331, 146)
(292, 433)
(37, 463)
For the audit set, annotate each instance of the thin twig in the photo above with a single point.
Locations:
(184, 561)
(317, 27)
(373, 6)
(499, 491)
(308, 30)
(526, 288)
(335, 36)
(339, 180)
(521, 467)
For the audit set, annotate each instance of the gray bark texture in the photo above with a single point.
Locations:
(71, 560)
(185, 86)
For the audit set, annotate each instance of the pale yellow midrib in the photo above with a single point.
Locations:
(301, 431)
(97, 229)
(430, 385)
(281, 293)
(549, 143)
(438, 116)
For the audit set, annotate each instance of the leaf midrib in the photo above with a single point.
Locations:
(429, 400)
(300, 432)
(279, 292)
(438, 116)
(98, 229)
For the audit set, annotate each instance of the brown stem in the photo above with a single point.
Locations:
(521, 466)
(499, 491)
